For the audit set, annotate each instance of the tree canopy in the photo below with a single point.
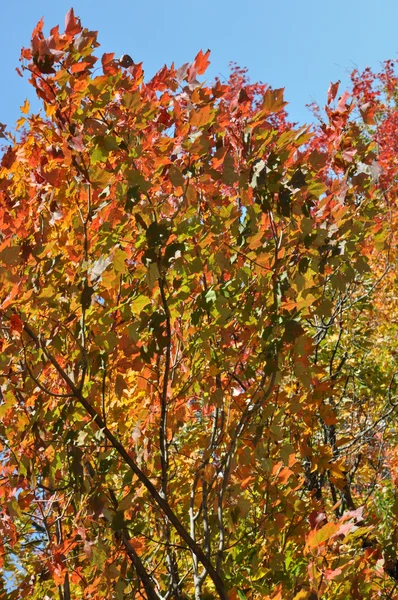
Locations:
(198, 310)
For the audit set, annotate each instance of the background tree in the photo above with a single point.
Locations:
(198, 306)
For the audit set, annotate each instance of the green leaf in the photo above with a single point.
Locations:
(98, 155)
(136, 179)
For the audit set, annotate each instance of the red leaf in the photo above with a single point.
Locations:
(332, 91)
(367, 113)
(137, 72)
(54, 177)
(109, 65)
(72, 23)
(201, 62)
(317, 519)
(16, 323)
(243, 96)
(8, 158)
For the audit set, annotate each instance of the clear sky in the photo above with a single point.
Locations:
(301, 45)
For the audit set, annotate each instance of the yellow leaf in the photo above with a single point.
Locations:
(119, 263)
(261, 573)
(50, 109)
(337, 469)
(302, 595)
(25, 108)
(20, 122)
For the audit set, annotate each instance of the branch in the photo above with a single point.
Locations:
(164, 451)
(160, 501)
(141, 571)
(135, 559)
(247, 415)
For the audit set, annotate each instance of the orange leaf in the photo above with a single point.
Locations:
(318, 537)
(201, 62)
(246, 482)
(283, 475)
(202, 117)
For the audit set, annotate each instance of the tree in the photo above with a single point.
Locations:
(198, 310)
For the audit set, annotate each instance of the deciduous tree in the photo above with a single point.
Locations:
(198, 334)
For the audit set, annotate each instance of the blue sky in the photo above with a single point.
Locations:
(301, 45)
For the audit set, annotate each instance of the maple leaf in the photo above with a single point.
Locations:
(16, 324)
(201, 62)
(109, 64)
(8, 158)
(332, 91)
(72, 24)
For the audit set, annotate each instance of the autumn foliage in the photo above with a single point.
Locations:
(198, 310)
